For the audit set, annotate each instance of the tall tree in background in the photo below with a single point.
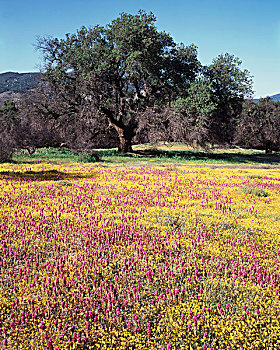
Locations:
(196, 110)
(121, 69)
(230, 86)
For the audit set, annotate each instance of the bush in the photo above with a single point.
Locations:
(254, 191)
(255, 176)
(89, 157)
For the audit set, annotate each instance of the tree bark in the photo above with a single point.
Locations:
(124, 146)
(125, 139)
(125, 132)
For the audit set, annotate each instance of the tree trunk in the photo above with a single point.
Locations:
(268, 147)
(124, 145)
(125, 132)
(125, 139)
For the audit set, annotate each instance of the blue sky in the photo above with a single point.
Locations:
(248, 29)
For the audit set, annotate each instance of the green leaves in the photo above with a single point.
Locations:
(228, 79)
(125, 66)
(197, 111)
(199, 99)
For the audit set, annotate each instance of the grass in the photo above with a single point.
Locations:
(54, 155)
(255, 191)
(175, 153)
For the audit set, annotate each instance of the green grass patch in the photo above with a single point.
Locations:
(152, 154)
(255, 176)
(53, 155)
(255, 191)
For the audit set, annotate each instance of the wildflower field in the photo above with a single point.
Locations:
(159, 257)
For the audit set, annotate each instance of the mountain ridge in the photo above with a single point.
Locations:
(18, 82)
(275, 98)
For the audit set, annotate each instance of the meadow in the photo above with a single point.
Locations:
(151, 255)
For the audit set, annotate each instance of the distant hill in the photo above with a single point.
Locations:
(18, 82)
(275, 98)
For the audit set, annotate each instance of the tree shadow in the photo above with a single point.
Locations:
(45, 175)
(236, 158)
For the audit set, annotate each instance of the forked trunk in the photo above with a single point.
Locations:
(125, 132)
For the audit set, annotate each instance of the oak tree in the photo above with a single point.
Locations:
(231, 85)
(121, 69)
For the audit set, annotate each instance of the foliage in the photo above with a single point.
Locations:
(228, 79)
(121, 69)
(129, 83)
(230, 86)
(197, 111)
(258, 125)
(199, 99)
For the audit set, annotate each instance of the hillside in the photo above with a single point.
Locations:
(18, 82)
(275, 98)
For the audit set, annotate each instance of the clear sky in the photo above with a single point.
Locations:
(248, 29)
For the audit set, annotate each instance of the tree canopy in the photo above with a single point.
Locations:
(230, 86)
(228, 79)
(122, 69)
